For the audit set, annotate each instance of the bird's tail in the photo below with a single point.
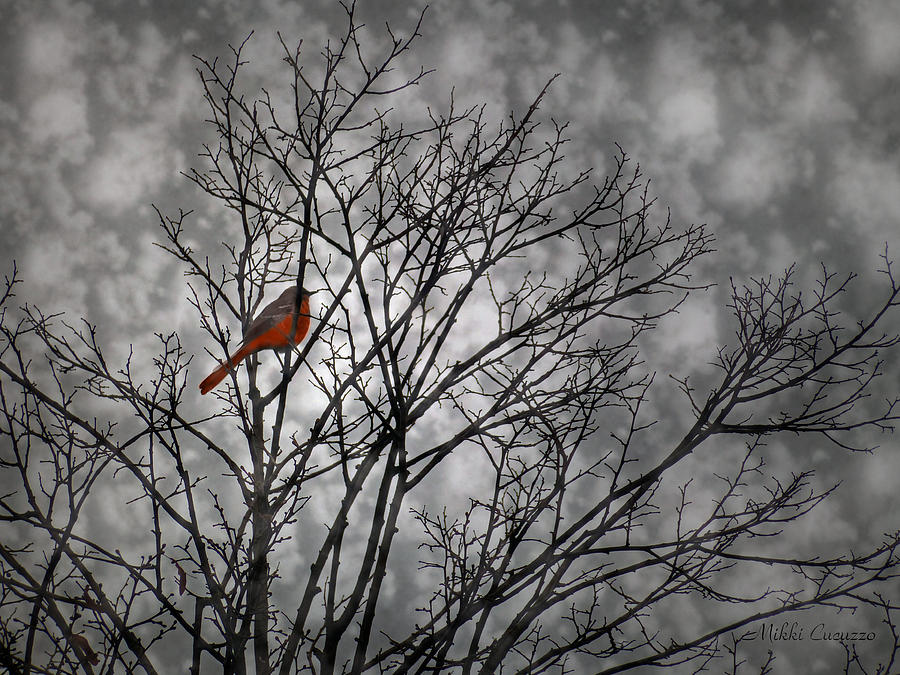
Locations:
(217, 375)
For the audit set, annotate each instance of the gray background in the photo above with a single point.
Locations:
(774, 122)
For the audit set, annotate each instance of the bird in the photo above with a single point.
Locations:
(269, 330)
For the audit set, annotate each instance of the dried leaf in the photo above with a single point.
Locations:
(182, 579)
(83, 649)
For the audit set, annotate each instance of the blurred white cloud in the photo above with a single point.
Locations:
(757, 167)
(865, 192)
(815, 96)
(50, 48)
(131, 165)
(689, 117)
(879, 36)
(683, 88)
(686, 339)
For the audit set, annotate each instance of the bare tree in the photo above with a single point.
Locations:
(437, 342)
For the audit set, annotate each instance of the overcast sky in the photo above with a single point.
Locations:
(777, 123)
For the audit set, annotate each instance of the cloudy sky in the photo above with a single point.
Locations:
(774, 122)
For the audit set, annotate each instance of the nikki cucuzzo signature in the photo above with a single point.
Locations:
(793, 631)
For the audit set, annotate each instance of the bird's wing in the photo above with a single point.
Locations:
(273, 314)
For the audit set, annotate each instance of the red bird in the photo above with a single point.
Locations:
(269, 330)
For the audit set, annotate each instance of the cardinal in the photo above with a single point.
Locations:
(271, 329)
